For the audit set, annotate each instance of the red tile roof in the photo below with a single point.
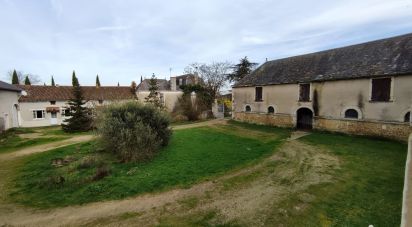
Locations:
(38, 93)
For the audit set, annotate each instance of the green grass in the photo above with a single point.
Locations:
(11, 141)
(368, 187)
(193, 155)
(17, 143)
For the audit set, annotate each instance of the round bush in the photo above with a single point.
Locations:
(133, 131)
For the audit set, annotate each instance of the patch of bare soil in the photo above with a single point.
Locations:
(200, 124)
(33, 135)
(244, 197)
(44, 147)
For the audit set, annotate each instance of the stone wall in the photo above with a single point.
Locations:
(392, 130)
(280, 120)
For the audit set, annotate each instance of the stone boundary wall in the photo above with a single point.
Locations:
(407, 189)
(280, 120)
(392, 130)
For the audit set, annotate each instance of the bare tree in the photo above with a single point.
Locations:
(214, 75)
(34, 79)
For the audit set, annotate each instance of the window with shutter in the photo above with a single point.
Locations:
(258, 94)
(381, 89)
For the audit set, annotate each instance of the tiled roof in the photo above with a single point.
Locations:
(37, 93)
(163, 85)
(392, 56)
(8, 87)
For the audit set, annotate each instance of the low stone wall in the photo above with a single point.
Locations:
(392, 130)
(280, 120)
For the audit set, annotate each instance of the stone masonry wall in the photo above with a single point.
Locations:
(280, 120)
(391, 130)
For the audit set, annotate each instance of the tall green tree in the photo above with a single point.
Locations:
(52, 82)
(242, 69)
(79, 117)
(97, 81)
(27, 81)
(15, 78)
(153, 96)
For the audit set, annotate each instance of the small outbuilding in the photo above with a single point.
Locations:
(9, 106)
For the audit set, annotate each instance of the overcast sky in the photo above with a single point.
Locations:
(122, 40)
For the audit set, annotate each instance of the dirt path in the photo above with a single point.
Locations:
(44, 147)
(247, 197)
(84, 138)
(200, 124)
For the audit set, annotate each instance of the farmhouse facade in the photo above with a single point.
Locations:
(9, 95)
(47, 105)
(169, 90)
(363, 89)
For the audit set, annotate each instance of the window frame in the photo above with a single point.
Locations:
(391, 87)
(63, 113)
(350, 117)
(34, 114)
(274, 110)
(300, 97)
(405, 115)
(258, 99)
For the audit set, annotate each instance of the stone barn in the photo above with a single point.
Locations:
(363, 89)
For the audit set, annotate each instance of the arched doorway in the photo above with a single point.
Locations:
(304, 118)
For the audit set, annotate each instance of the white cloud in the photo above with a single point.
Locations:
(121, 40)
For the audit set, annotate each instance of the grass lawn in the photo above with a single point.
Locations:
(368, 188)
(193, 155)
(362, 179)
(12, 141)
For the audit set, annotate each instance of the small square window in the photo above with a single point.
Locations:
(52, 102)
(66, 112)
(100, 101)
(39, 114)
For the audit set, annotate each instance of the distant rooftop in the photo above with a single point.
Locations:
(8, 87)
(38, 93)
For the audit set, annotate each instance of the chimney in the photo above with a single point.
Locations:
(173, 83)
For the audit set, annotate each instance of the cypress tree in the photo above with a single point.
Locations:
(153, 96)
(52, 82)
(27, 81)
(97, 81)
(15, 78)
(80, 119)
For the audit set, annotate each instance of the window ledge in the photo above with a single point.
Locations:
(390, 101)
(259, 100)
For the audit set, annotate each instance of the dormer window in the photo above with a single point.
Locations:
(52, 102)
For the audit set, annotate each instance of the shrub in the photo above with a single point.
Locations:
(133, 131)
